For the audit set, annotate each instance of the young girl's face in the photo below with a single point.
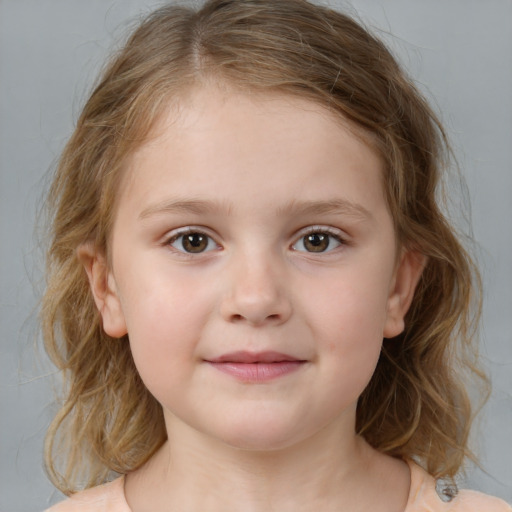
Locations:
(255, 269)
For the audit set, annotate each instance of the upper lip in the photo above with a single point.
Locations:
(253, 357)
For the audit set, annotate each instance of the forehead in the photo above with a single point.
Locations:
(213, 141)
(219, 99)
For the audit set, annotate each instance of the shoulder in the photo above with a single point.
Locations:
(473, 501)
(108, 497)
(424, 497)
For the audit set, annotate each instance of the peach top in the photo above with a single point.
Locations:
(422, 498)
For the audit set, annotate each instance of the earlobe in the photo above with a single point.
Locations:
(407, 276)
(103, 288)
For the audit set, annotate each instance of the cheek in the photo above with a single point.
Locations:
(348, 323)
(159, 301)
(352, 350)
(164, 316)
(350, 305)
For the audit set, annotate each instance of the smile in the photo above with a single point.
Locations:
(256, 366)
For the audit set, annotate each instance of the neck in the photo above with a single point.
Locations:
(194, 473)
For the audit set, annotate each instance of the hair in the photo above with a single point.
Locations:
(416, 405)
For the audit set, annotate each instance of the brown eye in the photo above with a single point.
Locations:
(317, 241)
(193, 243)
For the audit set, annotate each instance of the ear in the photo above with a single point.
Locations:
(407, 275)
(103, 289)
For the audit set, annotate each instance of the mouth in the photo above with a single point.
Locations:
(246, 357)
(256, 366)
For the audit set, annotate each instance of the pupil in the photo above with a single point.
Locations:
(194, 242)
(317, 242)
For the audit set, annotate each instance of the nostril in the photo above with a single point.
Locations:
(255, 307)
(241, 318)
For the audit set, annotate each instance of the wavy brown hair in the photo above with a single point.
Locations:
(416, 404)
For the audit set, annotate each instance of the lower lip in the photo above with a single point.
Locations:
(258, 372)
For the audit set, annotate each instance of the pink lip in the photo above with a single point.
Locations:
(256, 366)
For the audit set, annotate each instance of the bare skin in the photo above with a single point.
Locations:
(295, 253)
(235, 481)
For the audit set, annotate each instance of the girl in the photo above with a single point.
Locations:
(252, 293)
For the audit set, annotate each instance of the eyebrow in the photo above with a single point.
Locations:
(195, 206)
(336, 206)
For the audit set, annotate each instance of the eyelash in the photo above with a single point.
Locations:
(190, 231)
(313, 230)
(333, 234)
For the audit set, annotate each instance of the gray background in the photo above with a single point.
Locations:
(460, 53)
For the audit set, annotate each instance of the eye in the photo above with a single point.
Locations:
(317, 241)
(192, 242)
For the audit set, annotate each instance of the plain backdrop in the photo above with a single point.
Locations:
(458, 51)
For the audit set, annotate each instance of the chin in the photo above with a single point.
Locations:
(259, 435)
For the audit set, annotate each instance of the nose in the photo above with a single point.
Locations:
(257, 292)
